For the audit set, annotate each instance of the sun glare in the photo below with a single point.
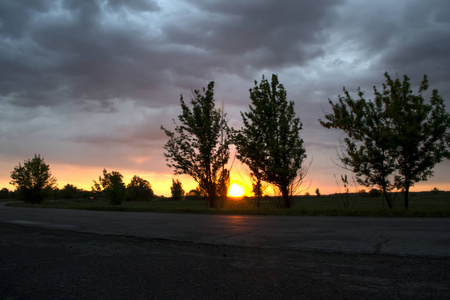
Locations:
(235, 190)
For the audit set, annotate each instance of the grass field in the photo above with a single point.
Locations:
(426, 204)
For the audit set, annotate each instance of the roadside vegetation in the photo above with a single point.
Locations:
(423, 204)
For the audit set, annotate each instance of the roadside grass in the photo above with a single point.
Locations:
(424, 204)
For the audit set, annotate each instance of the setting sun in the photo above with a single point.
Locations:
(235, 190)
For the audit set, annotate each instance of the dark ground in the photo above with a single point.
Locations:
(50, 264)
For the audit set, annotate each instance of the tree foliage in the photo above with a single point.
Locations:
(33, 180)
(5, 193)
(177, 190)
(112, 186)
(395, 140)
(139, 189)
(69, 192)
(199, 147)
(258, 189)
(223, 185)
(366, 148)
(269, 143)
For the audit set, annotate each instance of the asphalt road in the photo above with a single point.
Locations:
(65, 254)
(398, 236)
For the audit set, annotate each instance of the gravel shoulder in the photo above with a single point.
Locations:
(37, 263)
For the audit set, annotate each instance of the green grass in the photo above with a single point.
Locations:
(425, 204)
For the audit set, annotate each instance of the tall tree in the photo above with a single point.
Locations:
(69, 191)
(366, 149)
(223, 185)
(113, 186)
(258, 191)
(33, 179)
(270, 143)
(420, 130)
(397, 139)
(199, 147)
(177, 190)
(139, 189)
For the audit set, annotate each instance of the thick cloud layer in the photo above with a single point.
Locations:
(88, 83)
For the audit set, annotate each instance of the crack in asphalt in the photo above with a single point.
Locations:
(379, 245)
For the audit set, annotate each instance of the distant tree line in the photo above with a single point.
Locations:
(34, 184)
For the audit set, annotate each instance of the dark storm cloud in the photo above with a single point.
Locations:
(97, 50)
(70, 52)
(264, 34)
(16, 16)
(137, 5)
(409, 36)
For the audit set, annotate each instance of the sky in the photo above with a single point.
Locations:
(88, 84)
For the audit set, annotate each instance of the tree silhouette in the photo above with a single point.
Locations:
(258, 191)
(420, 130)
(223, 185)
(199, 147)
(33, 180)
(269, 143)
(113, 186)
(177, 190)
(366, 149)
(5, 193)
(397, 139)
(139, 189)
(317, 192)
(69, 192)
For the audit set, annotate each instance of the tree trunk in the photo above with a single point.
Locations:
(212, 200)
(286, 197)
(406, 196)
(387, 197)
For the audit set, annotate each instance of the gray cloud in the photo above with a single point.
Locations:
(272, 33)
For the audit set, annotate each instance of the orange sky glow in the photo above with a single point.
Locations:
(82, 177)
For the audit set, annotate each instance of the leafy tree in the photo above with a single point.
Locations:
(5, 193)
(177, 189)
(69, 192)
(199, 147)
(269, 143)
(33, 180)
(420, 131)
(395, 140)
(258, 191)
(374, 193)
(116, 190)
(113, 186)
(195, 193)
(317, 192)
(139, 189)
(366, 149)
(223, 185)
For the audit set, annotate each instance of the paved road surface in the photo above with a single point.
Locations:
(399, 236)
(64, 254)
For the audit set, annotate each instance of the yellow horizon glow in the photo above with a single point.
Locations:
(83, 176)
